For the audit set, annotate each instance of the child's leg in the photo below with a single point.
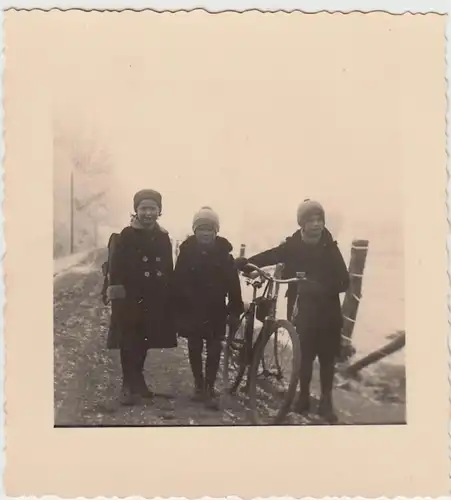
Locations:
(128, 375)
(214, 347)
(141, 359)
(141, 386)
(327, 370)
(308, 355)
(307, 359)
(195, 348)
(125, 365)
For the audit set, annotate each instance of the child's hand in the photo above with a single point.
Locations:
(252, 274)
(240, 263)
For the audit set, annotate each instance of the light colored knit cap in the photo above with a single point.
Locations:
(308, 208)
(206, 215)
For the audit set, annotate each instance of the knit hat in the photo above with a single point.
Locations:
(307, 209)
(146, 194)
(206, 215)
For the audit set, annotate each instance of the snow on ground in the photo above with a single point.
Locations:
(65, 263)
(88, 376)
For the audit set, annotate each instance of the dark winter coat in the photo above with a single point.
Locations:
(319, 310)
(141, 269)
(203, 279)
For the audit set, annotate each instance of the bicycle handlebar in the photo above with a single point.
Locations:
(270, 277)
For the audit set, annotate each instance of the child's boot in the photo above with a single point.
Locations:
(303, 403)
(326, 408)
(126, 397)
(199, 390)
(141, 386)
(211, 398)
(144, 391)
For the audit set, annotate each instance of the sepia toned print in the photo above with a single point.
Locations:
(103, 165)
(234, 221)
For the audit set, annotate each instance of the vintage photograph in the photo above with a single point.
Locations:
(226, 251)
(228, 236)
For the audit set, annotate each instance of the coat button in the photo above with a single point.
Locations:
(159, 273)
(145, 259)
(147, 274)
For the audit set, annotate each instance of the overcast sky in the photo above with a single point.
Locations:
(247, 125)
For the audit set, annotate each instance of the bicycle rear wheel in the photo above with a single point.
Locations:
(274, 373)
(235, 359)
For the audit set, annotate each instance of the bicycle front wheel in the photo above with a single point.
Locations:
(274, 373)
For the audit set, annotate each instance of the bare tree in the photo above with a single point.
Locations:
(83, 178)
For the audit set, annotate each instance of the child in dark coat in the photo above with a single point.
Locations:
(141, 271)
(313, 251)
(205, 276)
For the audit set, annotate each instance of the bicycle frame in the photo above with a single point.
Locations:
(247, 320)
(271, 292)
(249, 315)
(275, 282)
(245, 350)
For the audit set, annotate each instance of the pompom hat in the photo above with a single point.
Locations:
(206, 215)
(307, 209)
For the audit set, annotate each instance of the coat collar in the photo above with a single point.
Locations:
(326, 239)
(221, 245)
(136, 224)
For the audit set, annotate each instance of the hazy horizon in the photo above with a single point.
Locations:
(251, 143)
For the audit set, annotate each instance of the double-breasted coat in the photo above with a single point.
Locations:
(141, 269)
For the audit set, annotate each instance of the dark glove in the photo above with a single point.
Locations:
(115, 292)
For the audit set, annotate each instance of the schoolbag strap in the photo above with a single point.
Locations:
(106, 270)
(103, 293)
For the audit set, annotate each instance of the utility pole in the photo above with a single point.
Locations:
(72, 212)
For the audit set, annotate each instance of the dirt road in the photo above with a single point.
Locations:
(87, 375)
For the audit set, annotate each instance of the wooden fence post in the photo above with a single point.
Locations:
(359, 252)
(395, 345)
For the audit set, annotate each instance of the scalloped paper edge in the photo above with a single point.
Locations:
(305, 6)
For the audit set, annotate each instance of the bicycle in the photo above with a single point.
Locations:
(245, 350)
